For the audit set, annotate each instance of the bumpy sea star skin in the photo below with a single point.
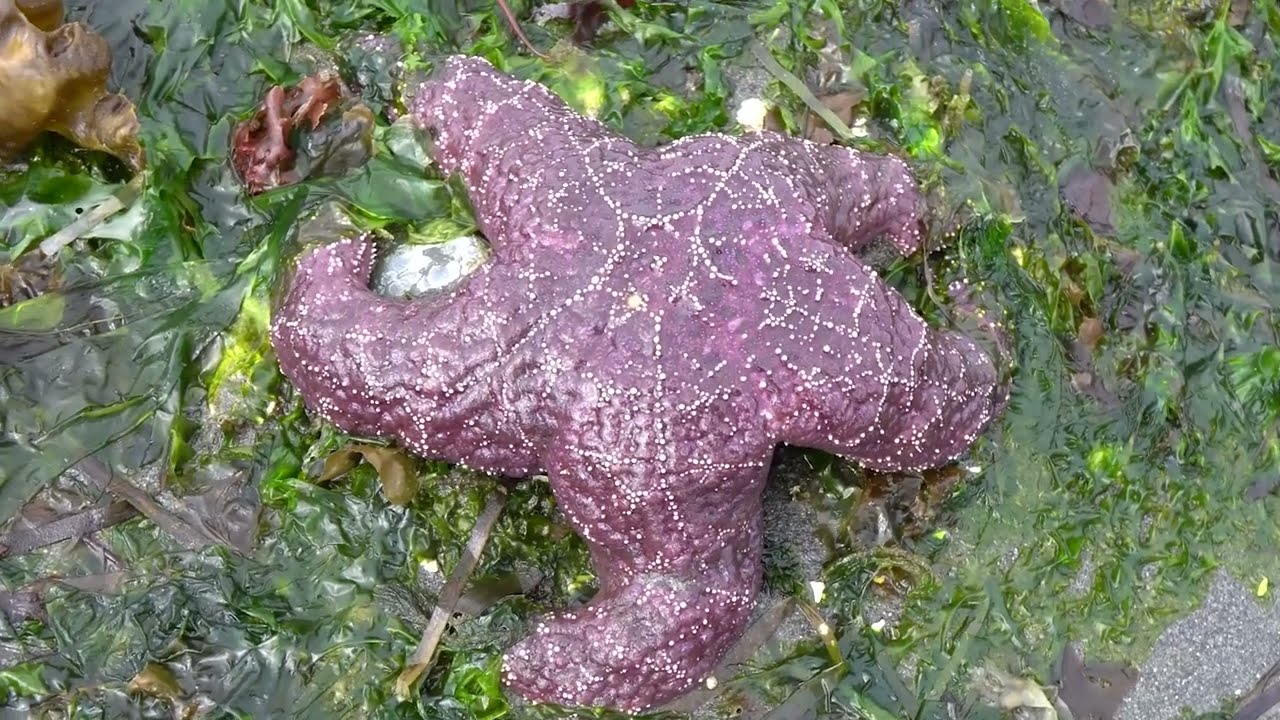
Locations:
(653, 323)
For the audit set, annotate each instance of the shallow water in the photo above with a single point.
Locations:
(1113, 188)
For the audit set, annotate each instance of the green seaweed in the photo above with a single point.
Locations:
(1124, 474)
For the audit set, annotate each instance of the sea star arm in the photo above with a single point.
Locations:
(676, 546)
(382, 366)
(317, 338)
(874, 382)
(951, 397)
(859, 196)
(512, 142)
(332, 355)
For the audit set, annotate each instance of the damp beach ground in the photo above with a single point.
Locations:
(1105, 173)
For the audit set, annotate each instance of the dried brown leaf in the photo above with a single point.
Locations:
(28, 276)
(841, 104)
(1089, 333)
(395, 470)
(337, 464)
(588, 16)
(1239, 13)
(1087, 194)
(157, 681)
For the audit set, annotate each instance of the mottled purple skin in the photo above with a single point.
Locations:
(654, 322)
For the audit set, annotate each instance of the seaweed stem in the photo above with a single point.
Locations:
(424, 654)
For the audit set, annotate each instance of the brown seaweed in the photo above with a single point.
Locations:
(53, 77)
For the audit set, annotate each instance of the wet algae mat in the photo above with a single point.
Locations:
(1106, 172)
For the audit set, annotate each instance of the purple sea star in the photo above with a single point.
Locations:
(653, 323)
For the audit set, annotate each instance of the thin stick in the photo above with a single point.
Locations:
(515, 27)
(21, 542)
(424, 655)
(795, 85)
(1264, 696)
(92, 219)
(189, 535)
